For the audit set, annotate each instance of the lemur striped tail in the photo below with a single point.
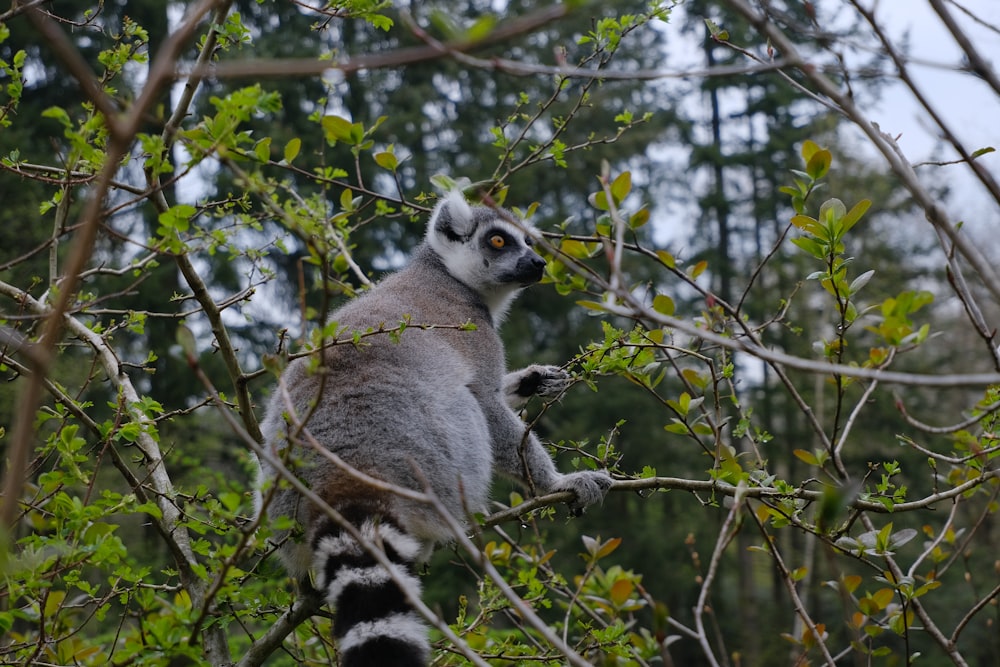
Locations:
(373, 623)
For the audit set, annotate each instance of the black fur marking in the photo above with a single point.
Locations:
(529, 384)
(338, 562)
(383, 652)
(359, 603)
(453, 236)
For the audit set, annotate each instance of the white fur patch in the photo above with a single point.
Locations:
(335, 545)
(459, 212)
(405, 627)
(408, 547)
(374, 576)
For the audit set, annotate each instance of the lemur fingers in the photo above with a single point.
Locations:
(535, 380)
(589, 486)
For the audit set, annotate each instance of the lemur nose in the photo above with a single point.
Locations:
(530, 268)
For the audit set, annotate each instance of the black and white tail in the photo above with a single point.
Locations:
(373, 623)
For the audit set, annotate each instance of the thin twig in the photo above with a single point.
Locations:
(944, 430)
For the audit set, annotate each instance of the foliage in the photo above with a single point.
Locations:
(145, 312)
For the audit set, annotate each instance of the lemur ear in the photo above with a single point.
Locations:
(453, 218)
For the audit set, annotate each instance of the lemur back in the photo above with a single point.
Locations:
(429, 408)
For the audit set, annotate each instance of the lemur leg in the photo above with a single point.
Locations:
(530, 463)
(517, 453)
(535, 380)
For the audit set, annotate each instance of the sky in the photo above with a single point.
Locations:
(966, 102)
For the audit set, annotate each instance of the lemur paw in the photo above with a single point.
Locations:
(590, 487)
(535, 380)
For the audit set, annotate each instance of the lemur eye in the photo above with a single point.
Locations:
(498, 241)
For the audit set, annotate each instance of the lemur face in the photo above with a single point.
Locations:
(481, 249)
(508, 252)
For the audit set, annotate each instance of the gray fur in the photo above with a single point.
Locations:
(436, 401)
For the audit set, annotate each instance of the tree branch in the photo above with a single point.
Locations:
(846, 105)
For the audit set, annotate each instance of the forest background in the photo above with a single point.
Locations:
(781, 324)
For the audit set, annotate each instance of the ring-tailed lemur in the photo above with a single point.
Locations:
(432, 406)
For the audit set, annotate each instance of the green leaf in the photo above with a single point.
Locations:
(445, 183)
(677, 426)
(715, 31)
(851, 582)
(593, 305)
(262, 149)
(347, 200)
(807, 457)
(639, 218)
(860, 281)
(446, 23)
(854, 215)
(177, 217)
(59, 114)
(608, 547)
(481, 29)
(809, 148)
(819, 163)
(682, 405)
(230, 500)
(695, 378)
(621, 186)
(274, 363)
(599, 200)
(577, 249)
(292, 149)
(702, 429)
(810, 246)
(883, 596)
(832, 209)
(663, 304)
(186, 339)
(336, 129)
(805, 223)
(386, 160)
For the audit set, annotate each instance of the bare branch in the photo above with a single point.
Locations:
(944, 430)
(976, 608)
(977, 63)
(934, 213)
(122, 133)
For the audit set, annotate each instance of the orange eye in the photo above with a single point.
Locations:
(498, 241)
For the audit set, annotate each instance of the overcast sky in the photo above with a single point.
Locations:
(970, 107)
